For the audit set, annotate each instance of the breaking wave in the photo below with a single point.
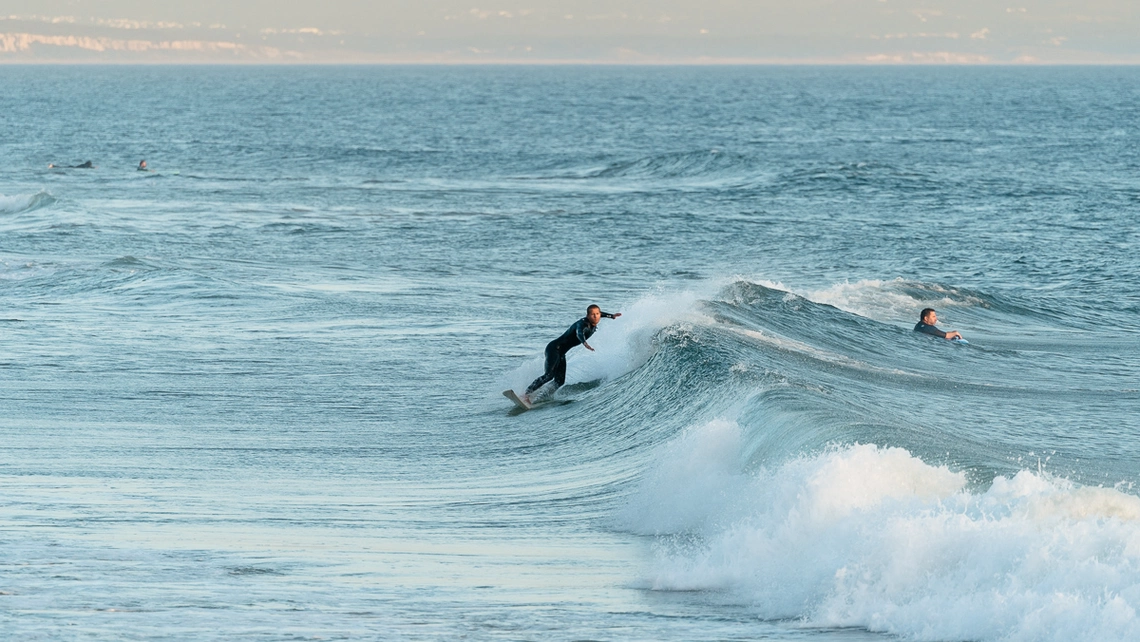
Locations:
(25, 202)
(809, 456)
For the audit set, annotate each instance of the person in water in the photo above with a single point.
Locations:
(927, 321)
(556, 350)
(142, 166)
(87, 165)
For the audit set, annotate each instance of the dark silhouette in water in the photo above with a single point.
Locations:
(87, 165)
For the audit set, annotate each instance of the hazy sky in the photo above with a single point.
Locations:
(604, 31)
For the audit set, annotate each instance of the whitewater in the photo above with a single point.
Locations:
(255, 393)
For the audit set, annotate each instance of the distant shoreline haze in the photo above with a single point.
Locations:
(670, 32)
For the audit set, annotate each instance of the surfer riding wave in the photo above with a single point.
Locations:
(578, 333)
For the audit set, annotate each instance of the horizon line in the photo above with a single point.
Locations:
(571, 62)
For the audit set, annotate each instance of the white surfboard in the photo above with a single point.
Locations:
(510, 394)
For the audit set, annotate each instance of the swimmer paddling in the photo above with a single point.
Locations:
(556, 350)
(927, 324)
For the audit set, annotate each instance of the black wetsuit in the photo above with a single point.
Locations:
(556, 352)
(929, 329)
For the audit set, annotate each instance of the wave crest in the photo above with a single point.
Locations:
(876, 538)
(25, 202)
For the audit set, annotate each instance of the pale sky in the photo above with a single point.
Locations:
(581, 31)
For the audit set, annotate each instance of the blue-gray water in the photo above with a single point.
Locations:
(255, 393)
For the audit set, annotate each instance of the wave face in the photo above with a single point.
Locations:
(24, 202)
(818, 464)
(842, 364)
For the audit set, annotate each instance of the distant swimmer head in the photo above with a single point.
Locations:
(142, 164)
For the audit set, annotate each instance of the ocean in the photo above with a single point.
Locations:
(255, 392)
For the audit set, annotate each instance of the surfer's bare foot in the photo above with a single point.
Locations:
(526, 399)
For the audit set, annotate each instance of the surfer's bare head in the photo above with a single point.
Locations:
(928, 316)
(593, 314)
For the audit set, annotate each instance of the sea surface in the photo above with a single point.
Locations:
(255, 392)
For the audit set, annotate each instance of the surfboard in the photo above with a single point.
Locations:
(961, 342)
(510, 394)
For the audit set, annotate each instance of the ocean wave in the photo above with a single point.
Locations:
(699, 164)
(24, 270)
(129, 262)
(785, 442)
(856, 173)
(887, 299)
(676, 165)
(799, 375)
(732, 170)
(748, 322)
(901, 300)
(874, 537)
(25, 202)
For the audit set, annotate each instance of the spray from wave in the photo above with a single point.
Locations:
(622, 345)
(873, 537)
(894, 300)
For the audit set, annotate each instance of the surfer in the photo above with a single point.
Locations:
(927, 321)
(556, 350)
(142, 166)
(87, 165)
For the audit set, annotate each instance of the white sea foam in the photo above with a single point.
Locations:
(887, 300)
(699, 480)
(890, 300)
(872, 537)
(14, 271)
(880, 299)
